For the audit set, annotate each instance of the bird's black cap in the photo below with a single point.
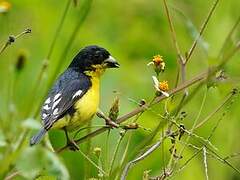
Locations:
(93, 55)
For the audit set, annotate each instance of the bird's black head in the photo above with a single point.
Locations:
(91, 58)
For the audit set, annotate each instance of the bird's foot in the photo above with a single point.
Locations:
(72, 145)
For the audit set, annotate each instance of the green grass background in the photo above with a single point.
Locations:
(133, 31)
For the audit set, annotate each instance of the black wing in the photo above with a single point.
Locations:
(70, 87)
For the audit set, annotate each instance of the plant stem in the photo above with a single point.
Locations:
(203, 27)
(115, 154)
(12, 39)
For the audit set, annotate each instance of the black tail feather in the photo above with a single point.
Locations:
(36, 139)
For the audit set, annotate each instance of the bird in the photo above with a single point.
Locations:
(73, 100)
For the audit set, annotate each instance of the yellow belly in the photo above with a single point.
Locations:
(86, 107)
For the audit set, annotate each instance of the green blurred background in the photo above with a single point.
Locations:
(133, 31)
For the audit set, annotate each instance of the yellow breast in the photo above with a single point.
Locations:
(86, 107)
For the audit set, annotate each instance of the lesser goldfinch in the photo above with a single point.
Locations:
(74, 98)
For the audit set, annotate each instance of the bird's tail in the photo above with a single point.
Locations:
(35, 139)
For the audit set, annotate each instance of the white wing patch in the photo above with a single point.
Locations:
(56, 96)
(78, 93)
(47, 101)
(46, 107)
(55, 111)
(44, 115)
(50, 104)
(56, 103)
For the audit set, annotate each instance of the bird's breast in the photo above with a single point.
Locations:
(86, 107)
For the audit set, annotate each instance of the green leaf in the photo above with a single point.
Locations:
(40, 162)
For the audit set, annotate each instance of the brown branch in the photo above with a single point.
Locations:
(12, 176)
(136, 111)
(202, 76)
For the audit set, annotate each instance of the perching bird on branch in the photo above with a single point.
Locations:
(74, 98)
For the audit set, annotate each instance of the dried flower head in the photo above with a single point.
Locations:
(5, 6)
(161, 87)
(114, 110)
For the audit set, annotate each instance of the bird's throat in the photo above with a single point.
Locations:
(96, 71)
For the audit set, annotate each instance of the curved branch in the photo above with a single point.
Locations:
(200, 77)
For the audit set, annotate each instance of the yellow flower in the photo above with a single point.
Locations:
(158, 62)
(157, 59)
(5, 6)
(163, 86)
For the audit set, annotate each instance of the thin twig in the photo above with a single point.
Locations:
(45, 62)
(13, 175)
(85, 8)
(229, 55)
(214, 112)
(93, 163)
(225, 161)
(12, 39)
(228, 37)
(199, 138)
(173, 33)
(130, 135)
(189, 54)
(193, 126)
(186, 144)
(174, 39)
(232, 155)
(124, 155)
(115, 154)
(141, 157)
(221, 118)
(58, 30)
(88, 152)
(206, 142)
(186, 163)
(205, 162)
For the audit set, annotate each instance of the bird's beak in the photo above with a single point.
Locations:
(111, 62)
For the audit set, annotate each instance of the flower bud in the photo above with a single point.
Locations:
(114, 110)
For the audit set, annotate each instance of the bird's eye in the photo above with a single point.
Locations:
(97, 54)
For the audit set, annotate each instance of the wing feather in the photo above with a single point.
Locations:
(63, 96)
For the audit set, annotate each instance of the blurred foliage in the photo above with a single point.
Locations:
(133, 31)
